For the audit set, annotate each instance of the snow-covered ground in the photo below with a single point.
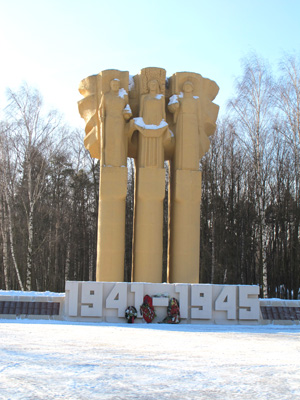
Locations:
(60, 360)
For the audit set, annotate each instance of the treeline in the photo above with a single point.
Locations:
(48, 198)
(250, 191)
(250, 205)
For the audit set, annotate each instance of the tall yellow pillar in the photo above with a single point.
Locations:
(148, 230)
(185, 227)
(153, 136)
(111, 224)
(125, 119)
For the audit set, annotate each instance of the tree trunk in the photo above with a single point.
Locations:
(29, 249)
(213, 248)
(11, 241)
(4, 244)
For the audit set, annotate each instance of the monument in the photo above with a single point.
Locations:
(151, 118)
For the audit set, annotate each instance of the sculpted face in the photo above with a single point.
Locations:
(188, 87)
(115, 85)
(153, 85)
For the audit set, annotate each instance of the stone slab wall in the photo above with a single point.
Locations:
(107, 302)
(31, 305)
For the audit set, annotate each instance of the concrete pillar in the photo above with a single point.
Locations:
(148, 229)
(111, 224)
(185, 227)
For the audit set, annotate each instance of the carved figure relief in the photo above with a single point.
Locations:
(152, 108)
(152, 127)
(187, 117)
(191, 139)
(114, 110)
(102, 105)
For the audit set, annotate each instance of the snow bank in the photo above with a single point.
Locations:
(59, 360)
(17, 293)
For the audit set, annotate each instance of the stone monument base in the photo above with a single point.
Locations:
(107, 302)
(199, 303)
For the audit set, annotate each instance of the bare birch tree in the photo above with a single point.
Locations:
(8, 176)
(35, 138)
(288, 103)
(252, 110)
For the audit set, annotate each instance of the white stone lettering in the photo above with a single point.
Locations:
(183, 290)
(117, 298)
(248, 302)
(138, 290)
(72, 289)
(226, 301)
(213, 303)
(91, 299)
(201, 301)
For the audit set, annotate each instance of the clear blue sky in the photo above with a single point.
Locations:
(53, 44)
